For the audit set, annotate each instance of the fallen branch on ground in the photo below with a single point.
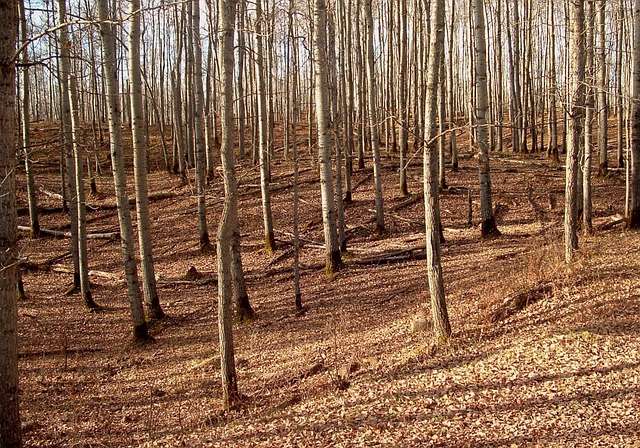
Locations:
(62, 234)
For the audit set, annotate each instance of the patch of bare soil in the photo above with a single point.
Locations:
(559, 366)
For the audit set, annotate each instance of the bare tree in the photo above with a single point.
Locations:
(402, 97)
(634, 193)
(373, 119)
(26, 128)
(603, 107)
(67, 139)
(83, 253)
(333, 259)
(576, 124)
(441, 326)
(198, 128)
(152, 302)
(10, 430)
(140, 329)
(263, 122)
(229, 218)
(489, 228)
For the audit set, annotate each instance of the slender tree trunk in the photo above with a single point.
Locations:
(10, 429)
(603, 108)
(442, 137)
(403, 109)
(489, 228)
(34, 222)
(229, 213)
(452, 109)
(263, 122)
(589, 116)
(441, 326)
(576, 123)
(140, 329)
(373, 118)
(65, 106)
(83, 254)
(151, 300)
(619, 98)
(335, 122)
(553, 152)
(201, 147)
(294, 148)
(348, 100)
(361, 90)
(242, 8)
(333, 260)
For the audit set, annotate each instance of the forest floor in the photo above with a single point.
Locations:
(351, 370)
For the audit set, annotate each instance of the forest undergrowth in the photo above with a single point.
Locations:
(542, 354)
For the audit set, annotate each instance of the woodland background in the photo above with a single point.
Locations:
(417, 218)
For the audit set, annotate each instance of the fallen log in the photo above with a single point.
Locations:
(63, 234)
(51, 194)
(615, 220)
(416, 252)
(30, 266)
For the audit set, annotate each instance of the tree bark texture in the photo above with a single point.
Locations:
(440, 316)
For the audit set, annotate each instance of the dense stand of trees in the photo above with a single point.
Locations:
(383, 82)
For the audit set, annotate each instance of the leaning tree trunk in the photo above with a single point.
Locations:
(140, 330)
(634, 182)
(10, 430)
(575, 125)
(373, 119)
(441, 326)
(333, 260)
(489, 228)
(229, 216)
(152, 302)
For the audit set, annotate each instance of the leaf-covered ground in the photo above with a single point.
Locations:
(350, 370)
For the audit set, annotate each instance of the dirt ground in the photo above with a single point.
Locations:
(350, 371)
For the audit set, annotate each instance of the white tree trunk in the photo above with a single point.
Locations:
(441, 326)
(373, 118)
(263, 122)
(140, 330)
(333, 260)
(489, 228)
(83, 254)
(152, 302)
